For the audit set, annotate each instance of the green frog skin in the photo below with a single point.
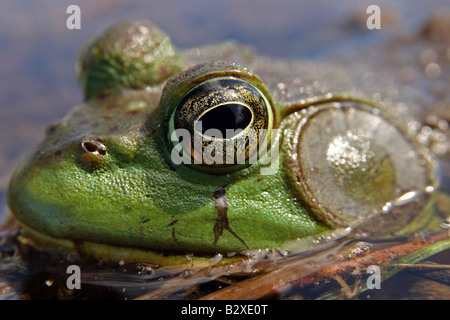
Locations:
(103, 181)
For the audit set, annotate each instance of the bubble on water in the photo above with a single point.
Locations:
(387, 207)
(432, 70)
(414, 126)
(406, 198)
(216, 259)
(442, 124)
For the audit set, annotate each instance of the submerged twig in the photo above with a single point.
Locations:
(423, 266)
(281, 280)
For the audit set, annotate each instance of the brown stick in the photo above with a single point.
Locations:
(280, 280)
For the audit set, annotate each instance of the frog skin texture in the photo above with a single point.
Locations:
(103, 178)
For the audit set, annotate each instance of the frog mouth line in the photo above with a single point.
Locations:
(95, 251)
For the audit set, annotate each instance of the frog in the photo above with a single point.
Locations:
(134, 173)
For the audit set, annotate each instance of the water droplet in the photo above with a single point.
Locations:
(414, 126)
(281, 86)
(426, 130)
(387, 207)
(406, 198)
(432, 70)
(442, 124)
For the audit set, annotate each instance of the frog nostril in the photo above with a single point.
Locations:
(93, 153)
(93, 147)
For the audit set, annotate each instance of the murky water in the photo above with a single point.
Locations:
(39, 86)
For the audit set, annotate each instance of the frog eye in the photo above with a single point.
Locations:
(352, 161)
(221, 122)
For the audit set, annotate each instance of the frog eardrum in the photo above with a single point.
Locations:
(352, 161)
(222, 118)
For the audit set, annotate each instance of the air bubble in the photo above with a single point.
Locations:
(387, 207)
(406, 198)
(49, 283)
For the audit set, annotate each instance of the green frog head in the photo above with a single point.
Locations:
(165, 158)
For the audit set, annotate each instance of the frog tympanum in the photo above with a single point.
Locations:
(166, 156)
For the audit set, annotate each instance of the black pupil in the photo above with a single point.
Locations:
(228, 116)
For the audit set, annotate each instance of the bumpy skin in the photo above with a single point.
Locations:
(103, 174)
(127, 55)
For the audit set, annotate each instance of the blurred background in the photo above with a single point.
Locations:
(38, 52)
